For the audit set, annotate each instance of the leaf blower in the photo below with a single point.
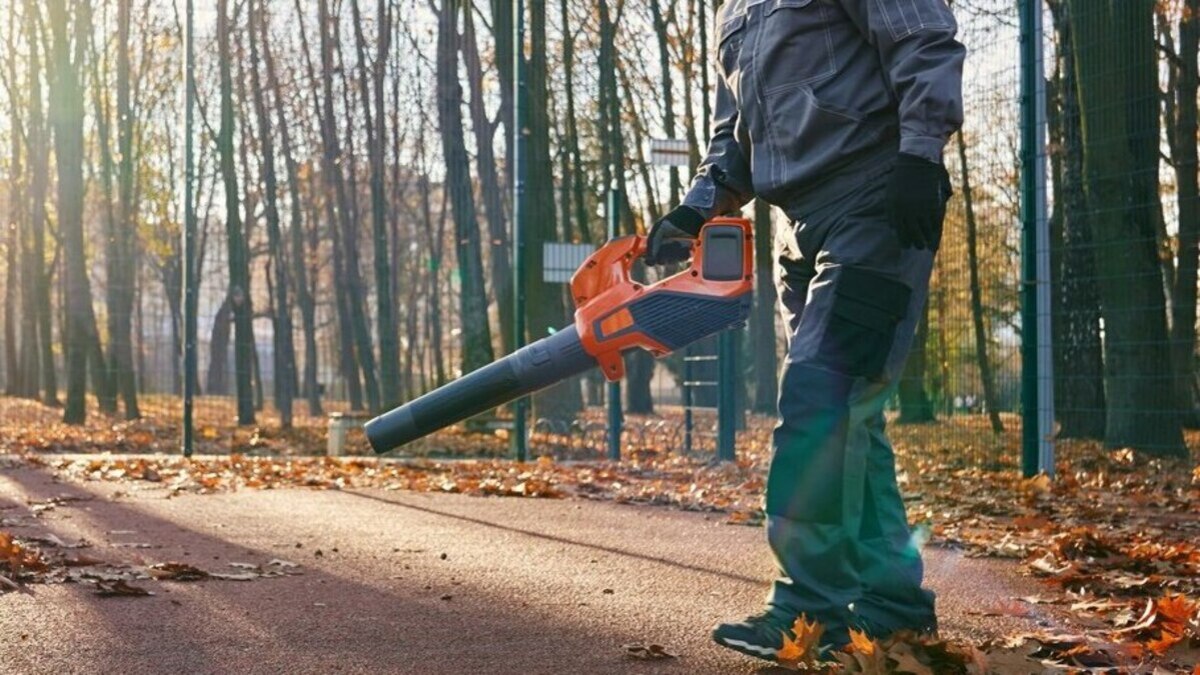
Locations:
(614, 314)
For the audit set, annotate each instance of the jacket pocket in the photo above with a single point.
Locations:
(806, 139)
(796, 47)
(730, 35)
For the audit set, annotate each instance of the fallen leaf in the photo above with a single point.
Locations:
(802, 647)
(176, 571)
(119, 588)
(651, 652)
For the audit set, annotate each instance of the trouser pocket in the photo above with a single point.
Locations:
(867, 308)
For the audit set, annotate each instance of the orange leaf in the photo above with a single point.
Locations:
(1161, 645)
(1176, 609)
(861, 642)
(805, 647)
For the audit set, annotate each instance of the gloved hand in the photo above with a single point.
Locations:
(917, 201)
(669, 240)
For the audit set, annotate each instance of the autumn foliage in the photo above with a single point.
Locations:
(1113, 539)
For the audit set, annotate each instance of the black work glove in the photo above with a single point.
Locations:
(917, 201)
(670, 240)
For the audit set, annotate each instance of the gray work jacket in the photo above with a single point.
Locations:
(815, 96)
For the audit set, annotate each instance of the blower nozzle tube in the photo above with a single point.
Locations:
(535, 367)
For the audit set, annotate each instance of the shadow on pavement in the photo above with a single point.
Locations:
(275, 625)
(758, 583)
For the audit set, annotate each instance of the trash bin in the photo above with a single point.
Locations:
(340, 425)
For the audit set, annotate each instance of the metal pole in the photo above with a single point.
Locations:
(189, 233)
(726, 406)
(688, 421)
(1045, 333)
(1037, 393)
(615, 419)
(519, 438)
(706, 113)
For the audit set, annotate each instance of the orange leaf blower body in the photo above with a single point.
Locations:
(614, 315)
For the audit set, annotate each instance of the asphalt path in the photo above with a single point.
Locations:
(399, 582)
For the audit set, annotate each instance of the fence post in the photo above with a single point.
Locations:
(519, 439)
(688, 376)
(615, 418)
(1037, 381)
(726, 405)
(190, 305)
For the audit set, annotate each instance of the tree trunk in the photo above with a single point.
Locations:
(502, 34)
(108, 214)
(492, 191)
(577, 179)
(641, 138)
(123, 235)
(915, 405)
(689, 82)
(238, 255)
(1116, 61)
(347, 359)
(706, 107)
(639, 365)
(38, 317)
(171, 278)
(941, 391)
(371, 90)
(332, 158)
(1079, 362)
(660, 21)
(977, 318)
(436, 340)
(16, 376)
(762, 322)
(66, 117)
(1183, 325)
(12, 367)
(284, 357)
(545, 301)
(476, 335)
(301, 257)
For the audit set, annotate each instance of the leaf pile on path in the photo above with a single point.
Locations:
(675, 481)
(1114, 537)
(26, 561)
(30, 426)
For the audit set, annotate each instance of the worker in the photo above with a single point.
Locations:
(837, 112)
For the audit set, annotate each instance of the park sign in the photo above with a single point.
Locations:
(669, 152)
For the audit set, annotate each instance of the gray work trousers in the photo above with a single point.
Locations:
(851, 298)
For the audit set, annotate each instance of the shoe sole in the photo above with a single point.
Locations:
(824, 654)
(757, 651)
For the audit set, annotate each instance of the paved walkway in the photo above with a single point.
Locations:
(397, 582)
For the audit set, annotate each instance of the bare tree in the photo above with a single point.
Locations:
(122, 238)
(491, 189)
(476, 335)
(1116, 61)
(977, 318)
(239, 296)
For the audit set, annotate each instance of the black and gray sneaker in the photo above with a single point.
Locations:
(760, 636)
